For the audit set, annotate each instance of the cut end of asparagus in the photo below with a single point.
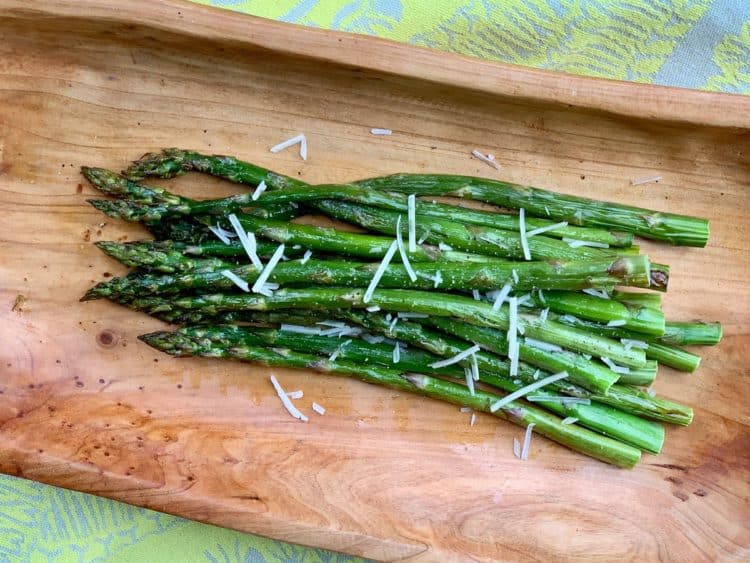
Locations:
(166, 164)
(659, 277)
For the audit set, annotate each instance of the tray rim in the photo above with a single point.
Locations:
(628, 99)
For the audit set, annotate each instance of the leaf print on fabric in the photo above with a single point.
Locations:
(732, 56)
(628, 39)
(368, 16)
(66, 523)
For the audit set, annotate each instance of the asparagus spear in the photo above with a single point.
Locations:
(619, 396)
(691, 333)
(494, 340)
(438, 304)
(640, 377)
(570, 435)
(655, 350)
(175, 161)
(680, 230)
(641, 299)
(478, 240)
(469, 238)
(352, 274)
(644, 320)
(150, 256)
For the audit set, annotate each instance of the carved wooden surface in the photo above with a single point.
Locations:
(84, 405)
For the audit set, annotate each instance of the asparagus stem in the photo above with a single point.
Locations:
(150, 256)
(468, 238)
(641, 299)
(600, 418)
(676, 358)
(655, 350)
(677, 229)
(636, 318)
(349, 274)
(642, 377)
(572, 436)
(691, 333)
(620, 397)
(175, 161)
(580, 370)
(439, 304)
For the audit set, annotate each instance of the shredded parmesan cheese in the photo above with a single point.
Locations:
(573, 243)
(301, 139)
(641, 181)
(259, 190)
(380, 271)
(527, 441)
(569, 420)
(402, 251)
(338, 350)
(396, 352)
(486, 159)
(412, 219)
(514, 274)
(469, 379)
(516, 448)
(473, 419)
(220, 233)
(295, 394)
(457, 358)
(477, 296)
(596, 293)
(617, 322)
(318, 409)
(247, 240)
(539, 345)
(286, 401)
(305, 257)
(373, 309)
(381, 132)
(424, 236)
(300, 329)
(526, 390)
(501, 297)
(522, 227)
(614, 367)
(474, 367)
(268, 270)
(630, 343)
(238, 281)
(540, 230)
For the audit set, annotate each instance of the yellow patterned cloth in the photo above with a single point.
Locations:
(691, 43)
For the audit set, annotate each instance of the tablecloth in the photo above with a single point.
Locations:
(701, 44)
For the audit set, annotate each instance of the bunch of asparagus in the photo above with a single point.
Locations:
(521, 314)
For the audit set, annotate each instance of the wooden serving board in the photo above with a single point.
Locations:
(85, 405)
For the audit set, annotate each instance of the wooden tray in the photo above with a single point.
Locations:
(84, 405)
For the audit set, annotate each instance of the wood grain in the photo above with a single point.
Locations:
(84, 405)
